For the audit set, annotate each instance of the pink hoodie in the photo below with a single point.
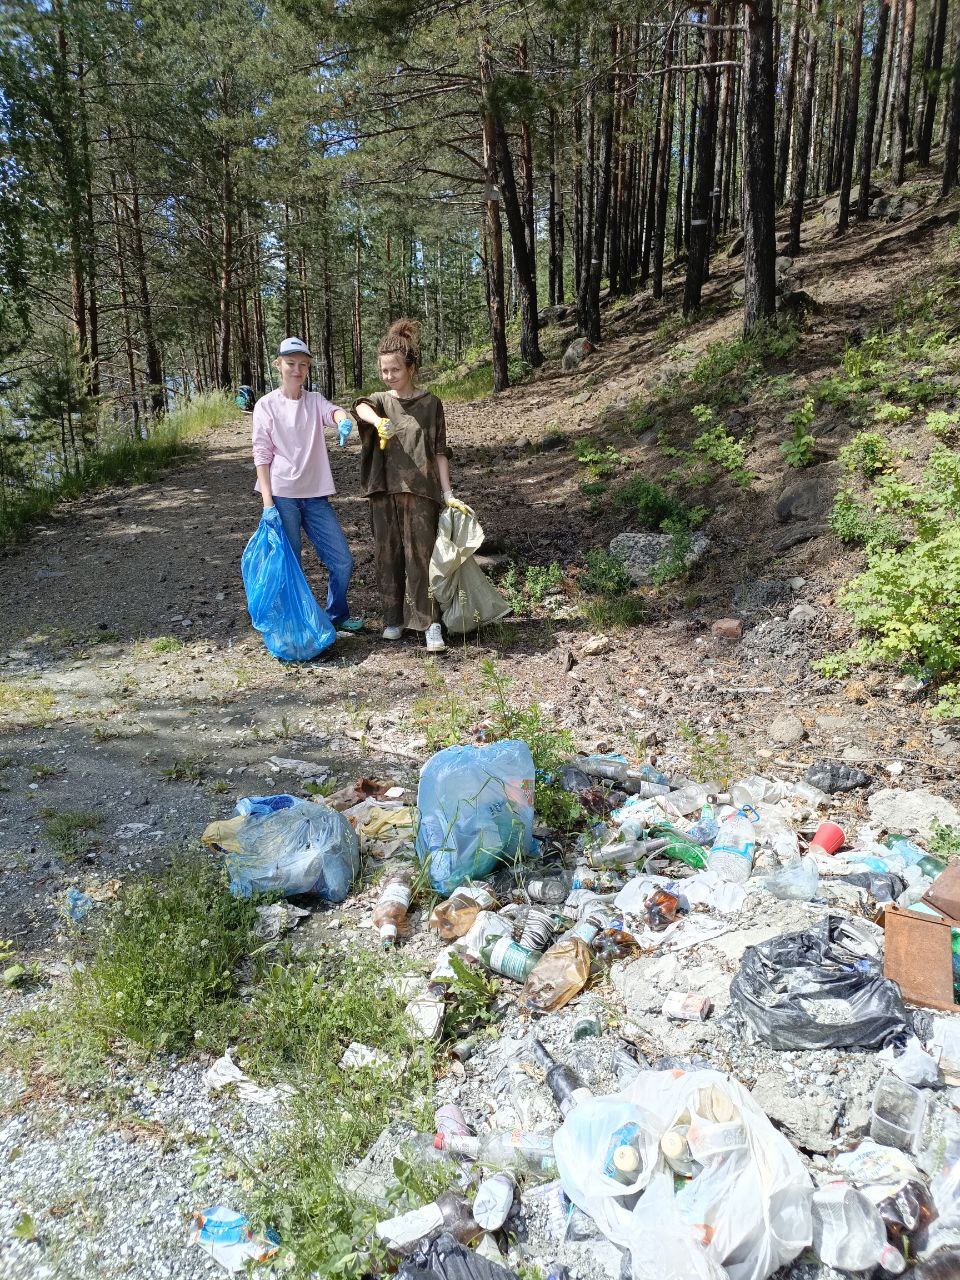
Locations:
(288, 437)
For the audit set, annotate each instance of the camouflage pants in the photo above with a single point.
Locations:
(404, 531)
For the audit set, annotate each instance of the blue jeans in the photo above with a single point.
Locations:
(319, 520)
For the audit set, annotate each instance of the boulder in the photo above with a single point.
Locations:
(641, 553)
(904, 812)
(809, 496)
(554, 315)
(892, 208)
(787, 731)
(727, 629)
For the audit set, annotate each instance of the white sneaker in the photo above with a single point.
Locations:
(435, 638)
(393, 633)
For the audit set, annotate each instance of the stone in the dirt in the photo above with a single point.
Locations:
(810, 496)
(641, 553)
(595, 645)
(787, 730)
(802, 615)
(521, 443)
(831, 777)
(582, 398)
(906, 811)
(892, 208)
(945, 743)
(727, 629)
(806, 1119)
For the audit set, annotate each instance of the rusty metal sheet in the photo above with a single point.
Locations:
(917, 957)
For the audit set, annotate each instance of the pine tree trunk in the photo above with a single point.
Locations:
(723, 132)
(691, 158)
(524, 266)
(226, 270)
(870, 116)
(151, 348)
(700, 219)
(901, 135)
(889, 85)
(951, 154)
(493, 229)
(554, 214)
(357, 315)
(836, 107)
(850, 121)
(932, 84)
(760, 243)
(650, 196)
(124, 299)
(681, 153)
(786, 108)
(663, 175)
(588, 303)
(801, 151)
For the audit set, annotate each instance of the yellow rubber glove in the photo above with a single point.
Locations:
(385, 429)
(456, 505)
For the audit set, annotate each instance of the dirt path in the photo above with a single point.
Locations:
(132, 688)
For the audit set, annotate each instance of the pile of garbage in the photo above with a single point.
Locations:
(723, 1034)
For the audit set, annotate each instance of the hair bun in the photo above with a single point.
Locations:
(402, 338)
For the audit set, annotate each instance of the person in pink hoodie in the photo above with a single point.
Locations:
(293, 470)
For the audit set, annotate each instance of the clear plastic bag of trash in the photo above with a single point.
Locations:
(816, 990)
(746, 1207)
(282, 844)
(798, 881)
(475, 810)
(281, 604)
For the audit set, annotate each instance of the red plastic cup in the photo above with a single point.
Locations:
(829, 838)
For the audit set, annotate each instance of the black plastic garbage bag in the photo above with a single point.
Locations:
(882, 886)
(813, 990)
(445, 1259)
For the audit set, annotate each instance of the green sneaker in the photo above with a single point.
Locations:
(351, 624)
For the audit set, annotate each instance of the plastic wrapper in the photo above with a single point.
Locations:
(798, 881)
(816, 990)
(281, 604)
(747, 1211)
(476, 810)
(281, 844)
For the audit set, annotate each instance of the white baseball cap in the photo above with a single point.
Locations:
(294, 347)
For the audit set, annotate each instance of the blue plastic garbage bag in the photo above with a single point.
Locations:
(294, 846)
(475, 810)
(281, 604)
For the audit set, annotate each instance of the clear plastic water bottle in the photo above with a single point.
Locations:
(849, 1233)
(732, 853)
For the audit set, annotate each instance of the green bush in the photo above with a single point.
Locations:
(648, 503)
(906, 605)
(867, 454)
(604, 574)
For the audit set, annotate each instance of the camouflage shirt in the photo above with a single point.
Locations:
(408, 463)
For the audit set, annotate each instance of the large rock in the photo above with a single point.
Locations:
(641, 553)
(810, 496)
(906, 811)
(831, 206)
(787, 730)
(893, 208)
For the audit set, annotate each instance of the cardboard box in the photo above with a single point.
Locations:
(917, 956)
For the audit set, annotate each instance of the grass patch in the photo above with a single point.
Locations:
(649, 503)
(159, 975)
(185, 769)
(299, 1024)
(117, 461)
(71, 834)
(166, 644)
(711, 756)
(526, 589)
(944, 841)
(23, 703)
(477, 382)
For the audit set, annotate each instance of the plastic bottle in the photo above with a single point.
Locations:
(560, 974)
(907, 1214)
(689, 799)
(494, 1200)
(538, 930)
(427, 1010)
(614, 942)
(390, 913)
(567, 1085)
(660, 909)
(849, 1234)
(448, 1212)
(732, 853)
(624, 853)
(453, 918)
(755, 789)
(487, 927)
(931, 866)
(628, 778)
(509, 959)
(680, 847)
(623, 1160)
(675, 1149)
(551, 890)
(911, 853)
(528, 1153)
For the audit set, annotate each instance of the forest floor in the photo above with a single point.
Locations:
(136, 704)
